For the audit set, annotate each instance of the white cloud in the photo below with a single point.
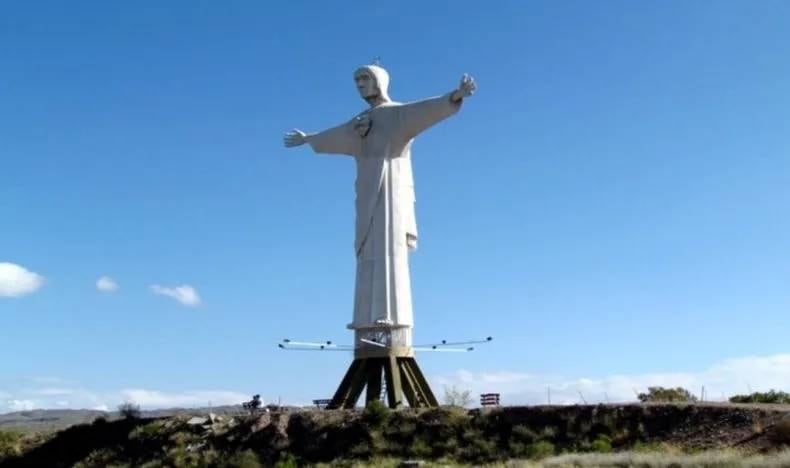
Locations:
(721, 380)
(79, 398)
(106, 284)
(157, 399)
(18, 281)
(20, 405)
(184, 294)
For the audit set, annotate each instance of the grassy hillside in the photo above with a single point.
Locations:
(380, 436)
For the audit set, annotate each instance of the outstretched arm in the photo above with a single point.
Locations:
(337, 140)
(418, 116)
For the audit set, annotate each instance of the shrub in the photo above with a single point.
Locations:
(517, 449)
(478, 448)
(148, 431)
(548, 432)
(771, 396)
(129, 410)
(10, 444)
(540, 449)
(361, 449)
(286, 460)
(647, 447)
(520, 438)
(601, 445)
(522, 433)
(445, 446)
(99, 457)
(420, 449)
(661, 394)
(376, 413)
(101, 419)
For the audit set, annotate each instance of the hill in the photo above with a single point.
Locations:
(47, 420)
(476, 436)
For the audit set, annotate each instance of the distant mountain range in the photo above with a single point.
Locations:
(46, 420)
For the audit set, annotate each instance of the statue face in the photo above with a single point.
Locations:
(366, 84)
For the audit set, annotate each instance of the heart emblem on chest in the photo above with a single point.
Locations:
(362, 124)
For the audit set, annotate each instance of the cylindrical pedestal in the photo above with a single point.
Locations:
(390, 337)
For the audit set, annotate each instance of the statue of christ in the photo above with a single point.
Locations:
(379, 139)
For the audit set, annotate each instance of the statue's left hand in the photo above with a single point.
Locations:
(466, 88)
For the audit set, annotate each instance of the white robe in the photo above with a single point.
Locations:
(386, 227)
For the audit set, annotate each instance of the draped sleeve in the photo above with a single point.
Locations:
(337, 140)
(417, 116)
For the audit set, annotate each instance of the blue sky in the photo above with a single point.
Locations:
(613, 205)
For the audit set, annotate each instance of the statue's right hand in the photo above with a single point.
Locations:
(295, 137)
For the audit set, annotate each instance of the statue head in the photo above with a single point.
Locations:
(372, 82)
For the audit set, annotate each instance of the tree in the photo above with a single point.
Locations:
(455, 397)
(771, 396)
(253, 405)
(129, 410)
(664, 395)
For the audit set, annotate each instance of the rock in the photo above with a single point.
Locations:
(262, 422)
(195, 447)
(197, 421)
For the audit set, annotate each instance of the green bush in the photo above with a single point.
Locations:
(420, 449)
(148, 431)
(602, 444)
(540, 449)
(361, 449)
(286, 460)
(771, 396)
(666, 395)
(524, 434)
(10, 444)
(478, 449)
(445, 446)
(517, 449)
(99, 457)
(376, 413)
(647, 447)
(549, 432)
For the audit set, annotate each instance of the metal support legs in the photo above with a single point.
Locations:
(402, 377)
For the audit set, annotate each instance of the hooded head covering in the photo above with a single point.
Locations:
(382, 79)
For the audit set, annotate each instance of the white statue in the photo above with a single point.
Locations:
(380, 140)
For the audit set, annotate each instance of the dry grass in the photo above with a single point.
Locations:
(713, 459)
